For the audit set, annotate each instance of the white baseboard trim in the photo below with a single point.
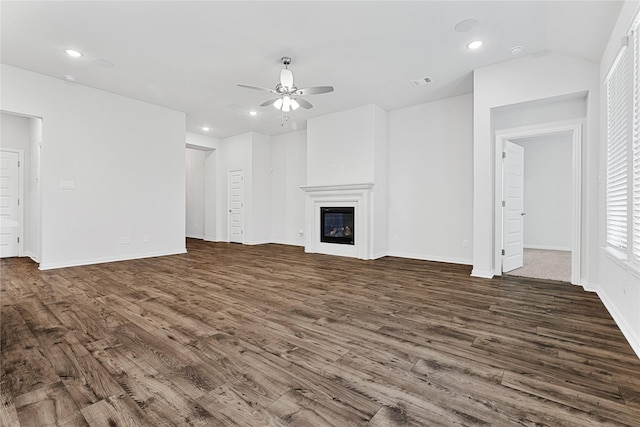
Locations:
(483, 274)
(589, 287)
(632, 338)
(422, 257)
(288, 243)
(549, 248)
(102, 260)
(194, 236)
(31, 255)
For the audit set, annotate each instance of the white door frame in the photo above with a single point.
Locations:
(20, 198)
(575, 129)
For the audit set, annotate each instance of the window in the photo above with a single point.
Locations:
(635, 135)
(617, 148)
(623, 148)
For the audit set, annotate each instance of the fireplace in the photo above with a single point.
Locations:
(358, 199)
(337, 225)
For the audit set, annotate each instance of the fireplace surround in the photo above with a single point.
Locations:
(359, 197)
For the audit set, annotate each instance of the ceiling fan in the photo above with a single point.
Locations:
(288, 95)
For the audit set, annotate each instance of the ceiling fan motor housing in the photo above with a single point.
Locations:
(286, 79)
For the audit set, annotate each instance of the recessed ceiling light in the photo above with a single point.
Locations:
(253, 113)
(206, 129)
(517, 50)
(475, 44)
(466, 25)
(73, 53)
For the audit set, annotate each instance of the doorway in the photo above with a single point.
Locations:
(554, 236)
(21, 137)
(235, 204)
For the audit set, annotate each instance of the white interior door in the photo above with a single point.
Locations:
(235, 191)
(9, 204)
(513, 210)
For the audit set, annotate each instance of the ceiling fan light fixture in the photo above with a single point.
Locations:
(288, 96)
(286, 103)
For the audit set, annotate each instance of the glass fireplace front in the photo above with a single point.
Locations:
(337, 225)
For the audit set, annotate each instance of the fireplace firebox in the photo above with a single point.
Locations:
(337, 225)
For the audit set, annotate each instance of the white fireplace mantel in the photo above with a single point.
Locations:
(358, 196)
(337, 187)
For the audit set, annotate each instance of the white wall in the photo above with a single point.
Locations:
(212, 202)
(527, 79)
(289, 172)
(547, 191)
(260, 213)
(430, 180)
(619, 281)
(341, 147)
(32, 242)
(126, 158)
(564, 108)
(380, 218)
(195, 192)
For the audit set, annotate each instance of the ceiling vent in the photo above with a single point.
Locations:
(421, 82)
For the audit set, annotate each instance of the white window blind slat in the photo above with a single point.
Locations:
(635, 138)
(617, 86)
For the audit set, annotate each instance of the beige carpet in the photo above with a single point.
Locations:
(543, 264)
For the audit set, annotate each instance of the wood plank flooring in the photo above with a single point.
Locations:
(232, 335)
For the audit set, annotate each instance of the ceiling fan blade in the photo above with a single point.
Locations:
(258, 88)
(314, 90)
(269, 102)
(304, 103)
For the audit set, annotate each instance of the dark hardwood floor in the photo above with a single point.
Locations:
(269, 336)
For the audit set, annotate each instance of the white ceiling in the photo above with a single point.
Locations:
(190, 56)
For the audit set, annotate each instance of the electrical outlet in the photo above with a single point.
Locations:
(145, 238)
(465, 243)
(124, 240)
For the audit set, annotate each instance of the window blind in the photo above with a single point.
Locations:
(635, 131)
(618, 92)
